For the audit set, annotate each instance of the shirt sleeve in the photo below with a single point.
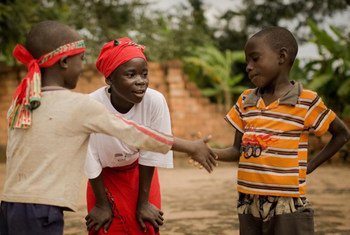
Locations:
(160, 121)
(97, 119)
(318, 117)
(234, 116)
(93, 166)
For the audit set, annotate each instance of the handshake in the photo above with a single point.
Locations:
(203, 156)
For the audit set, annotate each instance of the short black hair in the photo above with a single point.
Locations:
(46, 36)
(278, 37)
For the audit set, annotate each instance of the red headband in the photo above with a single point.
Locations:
(116, 53)
(28, 93)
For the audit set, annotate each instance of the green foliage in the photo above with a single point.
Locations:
(236, 25)
(271, 12)
(330, 75)
(167, 36)
(17, 17)
(217, 66)
(170, 36)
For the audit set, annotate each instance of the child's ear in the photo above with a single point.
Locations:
(283, 55)
(63, 62)
(108, 81)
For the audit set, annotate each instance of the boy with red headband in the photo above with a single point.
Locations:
(127, 174)
(49, 131)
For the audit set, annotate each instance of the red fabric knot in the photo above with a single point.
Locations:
(28, 93)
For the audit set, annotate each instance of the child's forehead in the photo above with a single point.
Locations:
(256, 44)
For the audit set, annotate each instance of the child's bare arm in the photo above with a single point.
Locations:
(232, 153)
(340, 135)
(101, 214)
(198, 150)
(146, 211)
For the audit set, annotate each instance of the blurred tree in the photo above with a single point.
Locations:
(330, 75)
(255, 14)
(175, 34)
(97, 20)
(17, 17)
(218, 67)
(166, 35)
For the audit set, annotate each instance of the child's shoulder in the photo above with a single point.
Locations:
(151, 93)
(306, 94)
(247, 92)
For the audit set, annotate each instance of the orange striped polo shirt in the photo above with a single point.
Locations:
(281, 131)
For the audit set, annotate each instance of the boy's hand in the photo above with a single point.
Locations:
(99, 216)
(149, 212)
(203, 154)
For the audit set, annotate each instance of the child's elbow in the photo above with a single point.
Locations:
(347, 136)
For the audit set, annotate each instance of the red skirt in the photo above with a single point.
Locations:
(122, 186)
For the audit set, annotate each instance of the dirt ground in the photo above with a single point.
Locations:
(198, 203)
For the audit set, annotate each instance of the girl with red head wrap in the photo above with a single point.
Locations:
(127, 175)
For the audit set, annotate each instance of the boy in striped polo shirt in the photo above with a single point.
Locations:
(272, 123)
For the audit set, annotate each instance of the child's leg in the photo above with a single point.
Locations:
(296, 223)
(26, 218)
(250, 225)
(3, 223)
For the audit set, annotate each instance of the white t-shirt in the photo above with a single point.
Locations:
(107, 151)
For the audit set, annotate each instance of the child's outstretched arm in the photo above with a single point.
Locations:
(198, 150)
(232, 153)
(101, 214)
(340, 135)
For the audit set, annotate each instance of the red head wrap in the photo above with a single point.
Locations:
(28, 93)
(116, 53)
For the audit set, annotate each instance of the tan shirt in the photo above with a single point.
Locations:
(45, 162)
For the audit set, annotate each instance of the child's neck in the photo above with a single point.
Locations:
(275, 91)
(52, 79)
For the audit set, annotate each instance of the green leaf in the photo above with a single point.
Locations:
(319, 81)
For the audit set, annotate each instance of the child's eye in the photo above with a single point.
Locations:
(255, 58)
(145, 74)
(130, 75)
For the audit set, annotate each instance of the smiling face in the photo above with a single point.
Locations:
(128, 83)
(263, 63)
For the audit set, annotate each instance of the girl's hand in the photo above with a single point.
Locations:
(150, 213)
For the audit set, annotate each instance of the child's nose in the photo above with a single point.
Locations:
(248, 68)
(140, 80)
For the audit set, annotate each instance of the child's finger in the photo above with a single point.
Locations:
(142, 224)
(213, 157)
(159, 221)
(91, 225)
(155, 225)
(107, 225)
(98, 226)
(207, 138)
(207, 167)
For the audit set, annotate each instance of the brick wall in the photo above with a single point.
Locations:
(190, 111)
